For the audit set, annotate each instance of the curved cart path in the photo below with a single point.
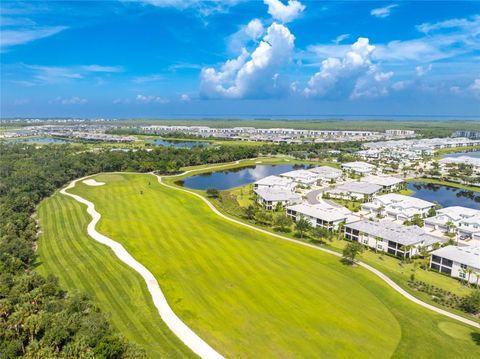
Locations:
(181, 330)
(379, 274)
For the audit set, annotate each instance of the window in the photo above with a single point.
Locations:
(461, 275)
(463, 266)
(436, 259)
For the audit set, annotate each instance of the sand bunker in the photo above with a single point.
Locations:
(92, 182)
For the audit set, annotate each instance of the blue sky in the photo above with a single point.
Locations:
(157, 58)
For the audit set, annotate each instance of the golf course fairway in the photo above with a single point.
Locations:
(247, 294)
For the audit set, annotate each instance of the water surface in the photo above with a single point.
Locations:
(475, 154)
(39, 140)
(446, 196)
(236, 177)
(179, 144)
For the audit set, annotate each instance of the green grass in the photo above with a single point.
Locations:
(246, 293)
(81, 263)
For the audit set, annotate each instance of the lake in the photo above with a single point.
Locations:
(39, 140)
(446, 196)
(179, 144)
(236, 177)
(475, 154)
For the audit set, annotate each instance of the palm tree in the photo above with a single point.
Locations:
(469, 271)
(377, 239)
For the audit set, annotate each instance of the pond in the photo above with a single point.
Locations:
(39, 140)
(475, 154)
(446, 196)
(179, 144)
(236, 177)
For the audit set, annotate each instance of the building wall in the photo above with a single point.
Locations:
(452, 268)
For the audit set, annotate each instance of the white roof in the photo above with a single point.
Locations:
(359, 187)
(301, 175)
(322, 210)
(275, 194)
(461, 159)
(405, 235)
(327, 172)
(454, 213)
(359, 165)
(384, 181)
(468, 255)
(274, 181)
(401, 201)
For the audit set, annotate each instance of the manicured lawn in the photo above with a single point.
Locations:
(246, 293)
(65, 250)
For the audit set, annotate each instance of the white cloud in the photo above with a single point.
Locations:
(147, 78)
(100, 68)
(15, 37)
(284, 13)
(21, 101)
(75, 100)
(340, 38)
(475, 88)
(245, 35)
(184, 97)
(354, 75)
(151, 99)
(463, 24)
(252, 75)
(204, 8)
(455, 89)
(254, 29)
(383, 12)
(53, 74)
(423, 70)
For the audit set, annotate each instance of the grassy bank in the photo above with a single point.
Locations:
(305, 302)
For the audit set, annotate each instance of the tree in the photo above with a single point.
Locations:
(263, 217)
(213, 192)
(302, 225)
(351, 251)
(322, 233)
(471, 302)
(250, 212)
(431, 212)
(282, 222)
(469, 271)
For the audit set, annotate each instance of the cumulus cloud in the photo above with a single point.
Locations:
(352, 76)
(475, 88)
(284, 13)
(254, 29)
(252, 75)
(245, 35)
(151, 99)
(184, 97)
(383, 12)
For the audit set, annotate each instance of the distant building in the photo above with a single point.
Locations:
(390, 237)
(465, 220)
(356, 190)
(322, 214)
(363, 168)
(302, 177)
(270, 198)
(475, 135)
(400, 132)
(275, 182)
(456, 261)
(388, 183)
(397, 206)
(327, 173)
